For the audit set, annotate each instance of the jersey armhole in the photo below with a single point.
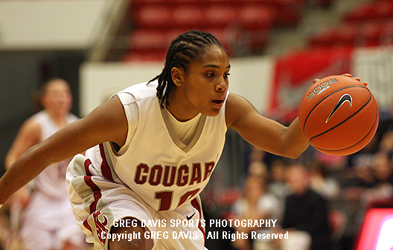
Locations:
(131, 109)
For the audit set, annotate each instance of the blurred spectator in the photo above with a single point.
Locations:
(277, 185)
(383, 169)
(383, 179)
(305, 211)
(322, 183)
(386, 144)
(257, 203)
(256, 154)
(359, 178)
(258, 169)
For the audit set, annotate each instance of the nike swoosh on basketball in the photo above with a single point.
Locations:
(189, 217)
(344, 98)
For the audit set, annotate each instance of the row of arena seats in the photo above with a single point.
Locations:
(245, 26)
(354, 35)
(370, 11)
(368, 24)
(241, 25)
(157, 26)
(289, 10)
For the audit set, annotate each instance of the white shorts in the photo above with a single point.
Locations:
(100, 203)
(48, 223)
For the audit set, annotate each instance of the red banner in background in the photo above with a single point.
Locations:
(295, 72)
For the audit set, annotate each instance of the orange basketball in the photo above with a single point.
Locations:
(338, 115)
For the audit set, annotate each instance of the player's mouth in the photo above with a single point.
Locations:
(218, 103)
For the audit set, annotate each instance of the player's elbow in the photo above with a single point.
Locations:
(295, 153)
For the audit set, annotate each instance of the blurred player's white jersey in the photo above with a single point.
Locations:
(164, 179)
(52, 180)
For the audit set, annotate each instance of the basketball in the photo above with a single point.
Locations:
(338, 115)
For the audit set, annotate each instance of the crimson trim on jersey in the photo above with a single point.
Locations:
(196, 205)
(105, 169)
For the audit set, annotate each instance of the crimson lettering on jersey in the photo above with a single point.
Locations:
(173, 175)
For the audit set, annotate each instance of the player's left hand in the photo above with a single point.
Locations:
(346, 74)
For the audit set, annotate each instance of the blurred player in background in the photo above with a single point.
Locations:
(47, 221)
(152, 149)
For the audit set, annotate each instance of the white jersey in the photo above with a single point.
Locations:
(52, 181)
(154, 163)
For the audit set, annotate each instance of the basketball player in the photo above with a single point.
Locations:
(47, 217)
(154, 147)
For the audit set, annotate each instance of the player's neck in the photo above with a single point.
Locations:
(59, 119)
(180, 108)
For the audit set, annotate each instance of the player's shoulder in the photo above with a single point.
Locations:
(142, 90)
(236, 107)
(32, 124)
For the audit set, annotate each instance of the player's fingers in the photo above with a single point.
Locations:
(315, 80)
(356, 78)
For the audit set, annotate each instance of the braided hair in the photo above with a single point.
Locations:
(183, 49)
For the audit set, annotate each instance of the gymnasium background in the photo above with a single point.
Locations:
(103, 46)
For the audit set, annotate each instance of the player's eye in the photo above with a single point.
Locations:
(210, 74)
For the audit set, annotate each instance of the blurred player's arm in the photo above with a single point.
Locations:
(263, 132)
(106, 123)
(29, 135)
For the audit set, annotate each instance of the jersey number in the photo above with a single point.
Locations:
(166, 198)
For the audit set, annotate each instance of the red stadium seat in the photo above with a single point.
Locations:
(188, 17)
(256, 17)
(148, 41)
(147, 2)
(384, 9)
(371, 34)
(152, 16)
(219, 16)
(387, 33)
(144, 57)
(323, 38)
(362, 12)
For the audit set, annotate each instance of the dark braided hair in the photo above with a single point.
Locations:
(183, 49)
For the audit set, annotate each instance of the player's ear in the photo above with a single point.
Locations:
(177, 75)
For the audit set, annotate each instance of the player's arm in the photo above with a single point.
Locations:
(29, 135)
(262, 132)
(106, 123)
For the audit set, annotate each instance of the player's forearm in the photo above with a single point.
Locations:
(294, 140)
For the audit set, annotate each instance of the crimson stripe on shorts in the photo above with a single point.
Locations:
(196, 205)
(86, 225)
(87, 164)
(96, 192)
(105, 169)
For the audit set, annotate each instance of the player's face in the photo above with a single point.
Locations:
(57, 98)
(204, 86)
